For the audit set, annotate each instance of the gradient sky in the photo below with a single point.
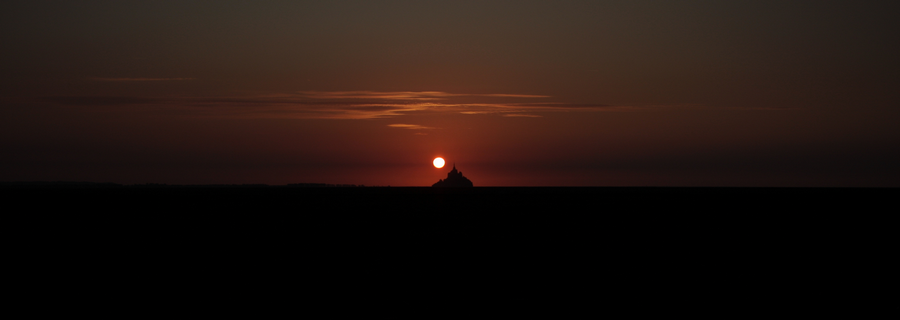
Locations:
(516, 93)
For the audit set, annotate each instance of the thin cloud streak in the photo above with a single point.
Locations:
(520, 115)
(404, 95)
(139, 79)
(502, 95)
(330, 105)
(400, 95)
(410, 126)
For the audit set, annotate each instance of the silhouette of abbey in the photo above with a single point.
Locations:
(454, 179)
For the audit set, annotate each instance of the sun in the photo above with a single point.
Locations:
(438, 162)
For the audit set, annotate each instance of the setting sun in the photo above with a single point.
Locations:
(438, 162)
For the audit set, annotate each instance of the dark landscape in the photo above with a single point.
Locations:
(512, 243)
(566, 218)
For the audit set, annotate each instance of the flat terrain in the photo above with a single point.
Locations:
(509, 240)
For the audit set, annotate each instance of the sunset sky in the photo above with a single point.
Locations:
(515, 93)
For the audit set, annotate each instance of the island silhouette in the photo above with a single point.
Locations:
(454, 179)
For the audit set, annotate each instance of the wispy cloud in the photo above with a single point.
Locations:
(94, 101)
(138, 79)
(372, 95)
(409, 126)
(521, 115)
(340, 104)
(405, 95)
(503, 95)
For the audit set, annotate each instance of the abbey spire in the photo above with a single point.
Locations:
(454, 179)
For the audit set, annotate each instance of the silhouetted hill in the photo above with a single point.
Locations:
(454, 179)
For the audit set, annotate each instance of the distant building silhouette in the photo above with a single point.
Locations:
(454, 179)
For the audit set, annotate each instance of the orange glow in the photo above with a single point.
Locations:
(438, 162)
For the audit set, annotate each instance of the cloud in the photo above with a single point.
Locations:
(476, 112)
(409, 126)
(503, 95)
(373, 95)
(336, 104)
(565, 105)
(100, 101)
(522, 115)
(404, 95)
(138, 79)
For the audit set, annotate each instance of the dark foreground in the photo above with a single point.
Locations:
(768, 246)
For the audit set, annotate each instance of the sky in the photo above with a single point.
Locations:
(515, 93)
